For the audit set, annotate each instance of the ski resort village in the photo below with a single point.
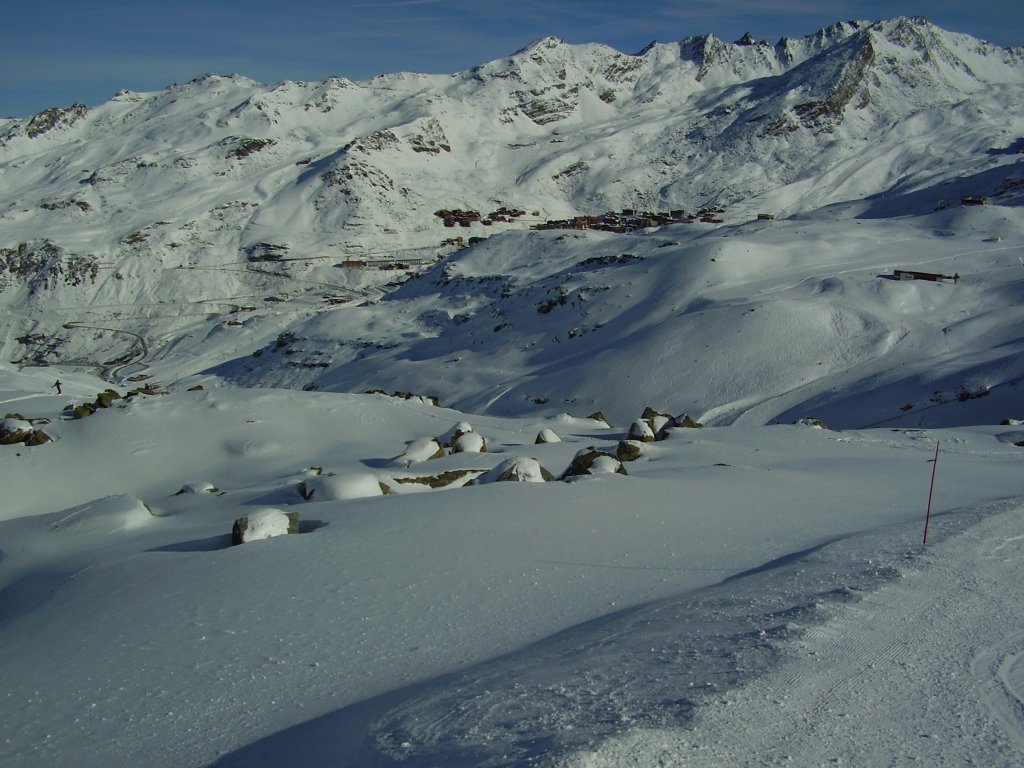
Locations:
(580, 409)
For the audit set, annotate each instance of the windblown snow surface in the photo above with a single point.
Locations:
(752, 592)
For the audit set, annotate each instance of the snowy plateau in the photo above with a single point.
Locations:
(580, 410)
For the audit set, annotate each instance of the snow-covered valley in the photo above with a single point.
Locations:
(724, 425)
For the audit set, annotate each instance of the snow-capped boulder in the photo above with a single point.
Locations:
(470, 442)
(660, 423)
(424, 399)
(83, 410)
(657, 420)
(516, 470)
(264, 524)
(547, 435)
(356, 485)
(567, 419)
(14, 431)
(641, 431)
(451, 437)
(687, 422)
(591, 461)
(421, 449)
(604, 464)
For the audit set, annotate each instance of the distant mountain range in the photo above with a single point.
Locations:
(214, 196)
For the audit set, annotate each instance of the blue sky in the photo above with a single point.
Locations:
(56, 52)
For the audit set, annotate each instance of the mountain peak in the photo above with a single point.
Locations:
(547, 43)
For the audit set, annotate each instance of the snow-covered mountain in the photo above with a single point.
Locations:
(199, 286)
(140, 227)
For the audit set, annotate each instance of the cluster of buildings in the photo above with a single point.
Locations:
(630, 220)
(626, 220)
(457, 217)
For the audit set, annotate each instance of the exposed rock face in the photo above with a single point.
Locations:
(441, 480)
(42, 265)
(244, 147)
(38, 437)
(53, 118)
(107, 398)
(431, 138)
(628, 450)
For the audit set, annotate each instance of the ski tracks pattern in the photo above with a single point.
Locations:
(909, 674)
(999, 669)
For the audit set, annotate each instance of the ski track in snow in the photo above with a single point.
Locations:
(907, 675)
(859, 652)
(657, 666)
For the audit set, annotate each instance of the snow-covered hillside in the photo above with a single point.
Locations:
(162, 214)
(751, 323)
(646, 486)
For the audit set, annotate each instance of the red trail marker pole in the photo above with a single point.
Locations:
(931, 491)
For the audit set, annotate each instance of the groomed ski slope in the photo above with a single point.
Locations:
(926, 670)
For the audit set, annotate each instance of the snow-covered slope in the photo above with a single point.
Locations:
(752, 323)
(171, 210)
(443, 623)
